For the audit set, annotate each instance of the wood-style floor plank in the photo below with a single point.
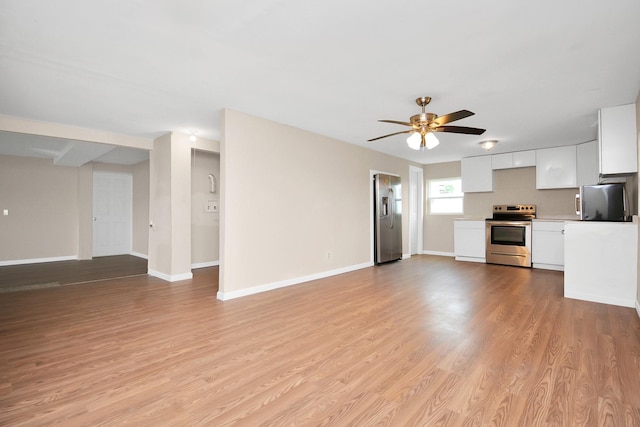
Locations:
(424, 341)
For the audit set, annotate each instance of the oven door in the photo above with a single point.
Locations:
(508, 242)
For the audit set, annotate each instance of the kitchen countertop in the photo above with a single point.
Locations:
(557, 218)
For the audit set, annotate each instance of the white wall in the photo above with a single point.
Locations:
(289, 199)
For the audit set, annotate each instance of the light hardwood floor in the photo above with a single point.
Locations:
(420, 342)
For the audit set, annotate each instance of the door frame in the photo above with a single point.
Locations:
(416, 209)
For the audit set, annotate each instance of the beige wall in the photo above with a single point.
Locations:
(42, 200)
(511, 186)
(85, 211)
(289, 198)
(39, 194)
(140, 220)
(205, 226)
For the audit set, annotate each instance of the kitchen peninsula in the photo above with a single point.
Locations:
(601, 262)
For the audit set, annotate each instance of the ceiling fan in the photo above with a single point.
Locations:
(423, 126)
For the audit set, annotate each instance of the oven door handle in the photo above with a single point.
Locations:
(507, 222)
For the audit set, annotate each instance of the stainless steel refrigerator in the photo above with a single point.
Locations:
(387, 218)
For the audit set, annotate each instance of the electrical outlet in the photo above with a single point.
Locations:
(5, 212)
(212, 206)
(328, 255)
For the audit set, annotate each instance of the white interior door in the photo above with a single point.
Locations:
(112, 213)
(415, 209)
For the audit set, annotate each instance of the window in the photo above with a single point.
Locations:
(445, 196)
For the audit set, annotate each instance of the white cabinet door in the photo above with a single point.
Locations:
(523, 159)
(469, 240)
(517, 159)
(547, 244)
(502, 161)
(587, 163)
(617, 136)
(477, 174)
(556, 167)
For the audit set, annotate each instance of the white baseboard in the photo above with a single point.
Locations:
(622, 302)
(470, 259)
(438, 253)
(170, 278)
(38, 260)
(406, 256)
(549, 266)
(205, 264)
(224, 296)
(638, 307)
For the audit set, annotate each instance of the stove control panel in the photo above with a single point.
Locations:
(516, 209)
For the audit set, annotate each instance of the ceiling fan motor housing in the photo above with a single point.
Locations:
(423, 119)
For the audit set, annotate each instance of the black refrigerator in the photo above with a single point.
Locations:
(387, 218)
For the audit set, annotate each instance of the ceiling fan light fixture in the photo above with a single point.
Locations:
(488, 145)
(431, 140)
(414, 141)
(193, 135)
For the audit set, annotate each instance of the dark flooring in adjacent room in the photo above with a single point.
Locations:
(59, 273)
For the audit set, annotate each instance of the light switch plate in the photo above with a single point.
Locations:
(5, 212)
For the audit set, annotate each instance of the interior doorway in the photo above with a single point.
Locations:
(112, 213)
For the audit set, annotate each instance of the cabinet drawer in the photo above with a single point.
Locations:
(548, 226)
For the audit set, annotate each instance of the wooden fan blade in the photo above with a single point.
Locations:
(391, 134)
(452, 117)
(459, 129)
(396, 122)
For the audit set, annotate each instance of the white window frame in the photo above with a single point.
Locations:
(441, 196)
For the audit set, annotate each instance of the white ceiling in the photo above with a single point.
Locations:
(535, 73)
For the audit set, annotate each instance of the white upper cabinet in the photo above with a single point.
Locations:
(587, 163)
(477, 174)
(523, 159)
(518, 159)
(556, 167)
(502, 161)
(618, 140)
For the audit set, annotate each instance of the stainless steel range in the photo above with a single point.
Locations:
(508, 235)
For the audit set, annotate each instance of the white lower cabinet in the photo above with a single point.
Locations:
(469, 240)
(547, 244)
